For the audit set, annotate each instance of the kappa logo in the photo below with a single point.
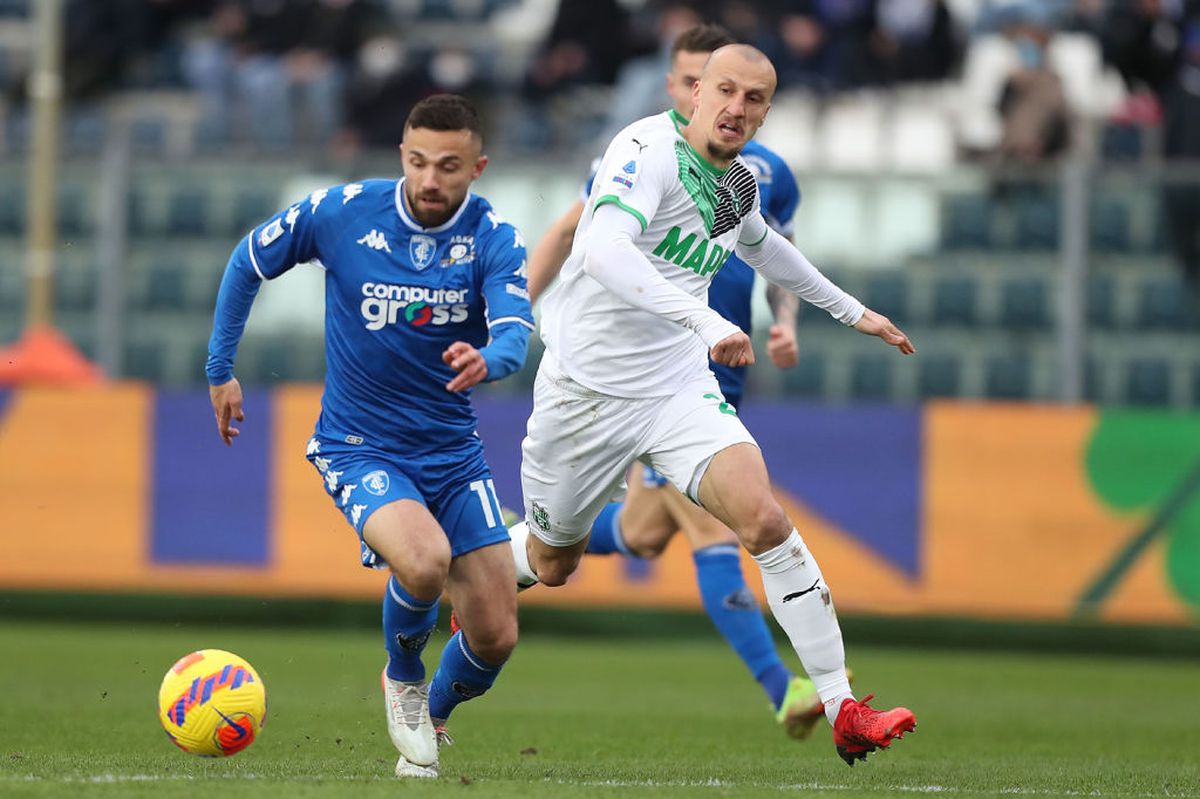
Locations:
(322, 464)
(347, 490)
(331, 479)
(350, 191)
(376, 482)
(421, 249)
(356, 514)
(314, 447)
(293, 214)
(376, 241)
(315, 198)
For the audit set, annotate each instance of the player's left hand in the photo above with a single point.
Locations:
(782, 348)
(874, 324)
(468, 362)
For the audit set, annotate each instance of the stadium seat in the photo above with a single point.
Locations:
(252, 206)
(807, 378)
(938, 376)
(74, 286)
(1008, 377)
(1162, 305)
(12, 210)
(144, 358)
(1109, 223)
(187, 213)
(72, 212)
(966, 222)
(1101, 301)
(1023, 305)
(954, 301)
(921, 139)
(1037, 221)
(1121, 143)
(871, 377)
(165, 288)
(148, 135)
(888, 294)
(1148, 382)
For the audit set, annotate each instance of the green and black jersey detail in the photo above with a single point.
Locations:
(722, 198)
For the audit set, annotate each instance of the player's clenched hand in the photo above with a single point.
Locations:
(874, 324)
(468, 362)
(781, 346)
(733, 350)
(227, 405)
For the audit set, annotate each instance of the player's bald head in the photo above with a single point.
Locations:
(744, 60)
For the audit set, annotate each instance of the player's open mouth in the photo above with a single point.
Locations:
(730, 129)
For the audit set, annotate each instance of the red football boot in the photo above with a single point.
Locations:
(860, 729)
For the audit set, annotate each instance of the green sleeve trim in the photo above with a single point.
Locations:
(612, 198)
(761, 238)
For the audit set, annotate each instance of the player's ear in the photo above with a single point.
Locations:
(480, 164)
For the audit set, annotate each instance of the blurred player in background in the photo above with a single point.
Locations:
(425, 298)
(653, 510)
(625, 375)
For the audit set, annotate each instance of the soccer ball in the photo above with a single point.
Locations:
(212, 703)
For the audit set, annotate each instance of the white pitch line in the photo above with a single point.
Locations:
(709, 783)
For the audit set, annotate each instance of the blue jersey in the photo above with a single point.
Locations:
(396, 296)
(732, 286)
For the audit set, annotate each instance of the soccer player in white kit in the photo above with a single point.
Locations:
(625, 374)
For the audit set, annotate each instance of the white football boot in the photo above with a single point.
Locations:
(410, 728)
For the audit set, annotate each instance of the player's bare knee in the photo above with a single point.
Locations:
(496, 643)
(646, 543)
(555, 571)
(763, 526)
(425, 577)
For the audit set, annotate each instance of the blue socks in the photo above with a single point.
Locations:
(461, 675)
(606, 532)
(735, 612)
(407, 624)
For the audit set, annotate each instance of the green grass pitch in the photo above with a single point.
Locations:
(602, 717)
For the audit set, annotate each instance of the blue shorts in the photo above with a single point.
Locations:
(455, 485)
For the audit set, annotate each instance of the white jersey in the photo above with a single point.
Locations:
(691, 215)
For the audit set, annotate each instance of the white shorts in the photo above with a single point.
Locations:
(580, 443)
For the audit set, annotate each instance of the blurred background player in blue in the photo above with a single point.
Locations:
(425, 298)
(643, 525)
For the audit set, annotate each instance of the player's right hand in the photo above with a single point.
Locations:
(227, 405)
(735, 350)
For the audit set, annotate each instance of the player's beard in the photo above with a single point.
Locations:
(430, 218)
(723, 153)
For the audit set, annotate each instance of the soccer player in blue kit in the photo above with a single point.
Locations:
(653, 510)
(425, 297)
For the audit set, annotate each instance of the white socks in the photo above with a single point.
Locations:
(519, 533)
(800, 602)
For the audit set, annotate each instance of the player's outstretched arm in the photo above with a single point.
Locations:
(227, 405)
(548, 256)
(874, 324)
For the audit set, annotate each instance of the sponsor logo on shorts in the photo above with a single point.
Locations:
(354, 439)
(724, 407)
(376, 482)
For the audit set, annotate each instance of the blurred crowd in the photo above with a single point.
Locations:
(280, 73)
